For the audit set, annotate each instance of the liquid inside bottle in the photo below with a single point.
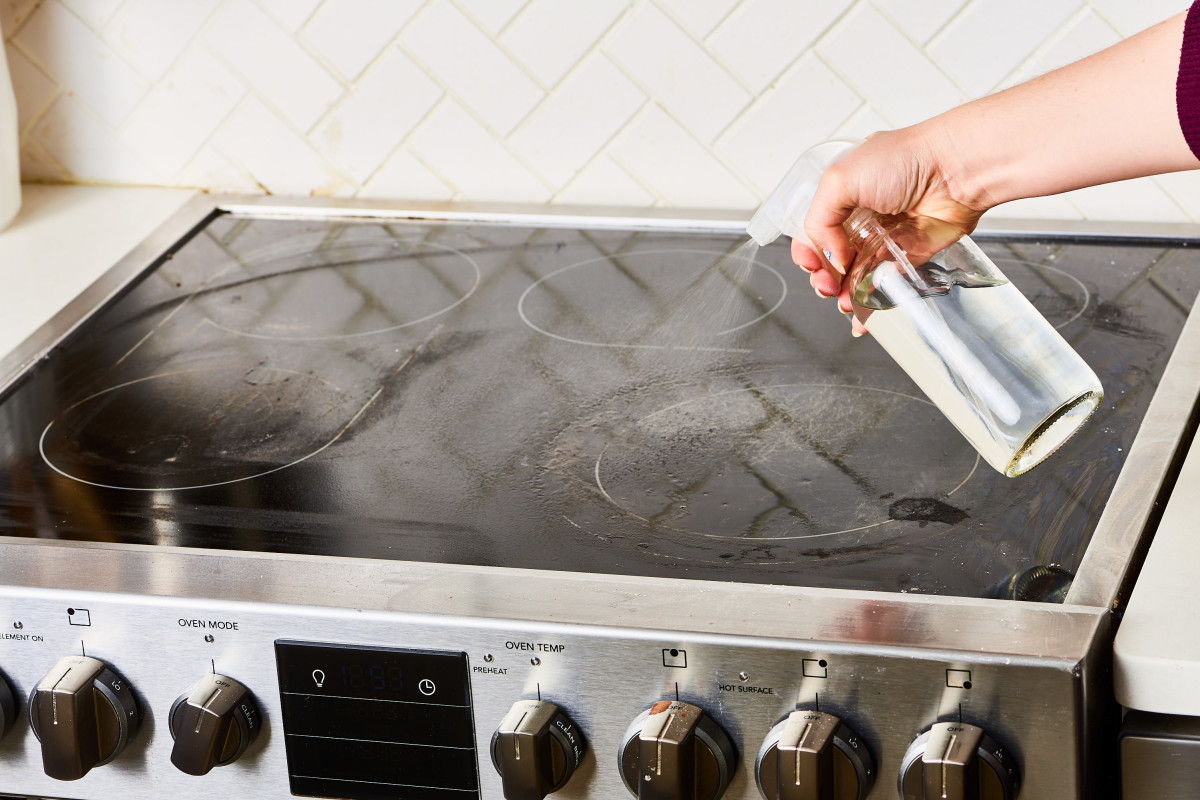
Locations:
(996, 369)
(1001, 374)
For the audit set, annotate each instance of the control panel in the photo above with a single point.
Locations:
(106, 696)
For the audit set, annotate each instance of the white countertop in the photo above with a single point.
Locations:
(63, 239)
(1157, 650)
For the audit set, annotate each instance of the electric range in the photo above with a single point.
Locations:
(356, 500)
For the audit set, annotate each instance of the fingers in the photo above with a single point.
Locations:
(805, 257)
(823, 279)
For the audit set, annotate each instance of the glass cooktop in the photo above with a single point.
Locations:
(604, 401)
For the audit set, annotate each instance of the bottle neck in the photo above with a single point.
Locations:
(865, 228)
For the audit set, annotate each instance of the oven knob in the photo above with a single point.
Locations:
(675, 751)
(8, 707)
(811, 755)
(956, 761)
(212, 725)
(84, 714)
(536, 749)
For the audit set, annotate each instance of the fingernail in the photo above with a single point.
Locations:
(829, 257)
(855, 332)
(821, 294)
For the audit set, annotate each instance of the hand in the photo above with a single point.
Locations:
(902, 173)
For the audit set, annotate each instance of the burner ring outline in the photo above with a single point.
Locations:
(600, 458)
(525, 294)
(50, 463)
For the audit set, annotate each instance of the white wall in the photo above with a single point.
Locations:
(699, 103)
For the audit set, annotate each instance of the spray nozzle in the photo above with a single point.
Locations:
(786, 206)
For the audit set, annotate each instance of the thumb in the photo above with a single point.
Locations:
(823, 224)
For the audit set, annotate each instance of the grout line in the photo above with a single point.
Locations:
(402, 147)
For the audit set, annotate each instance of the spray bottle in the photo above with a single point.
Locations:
(981, 352)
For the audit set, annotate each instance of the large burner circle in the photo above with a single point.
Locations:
(1058, 295)
(784, 462)
(195, 428)
(654, 299)
(337, 291)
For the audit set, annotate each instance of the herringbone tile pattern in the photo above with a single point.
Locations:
(634, 102)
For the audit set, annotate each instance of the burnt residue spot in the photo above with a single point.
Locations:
(1109, 316)
(924, 510)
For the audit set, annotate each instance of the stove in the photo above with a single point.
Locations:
(476, 503)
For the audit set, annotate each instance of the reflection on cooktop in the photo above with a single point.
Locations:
(779, 462)
(630, 402)
(339, 290)
(672, 299)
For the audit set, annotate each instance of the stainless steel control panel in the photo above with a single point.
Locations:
(875, 704)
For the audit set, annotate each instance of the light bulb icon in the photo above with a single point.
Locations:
(318, 678)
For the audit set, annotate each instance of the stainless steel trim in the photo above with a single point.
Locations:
(1160, 442)
(833, 617)
(706, 220)
(195, 213)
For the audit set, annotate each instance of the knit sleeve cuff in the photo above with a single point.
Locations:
(1187, 85)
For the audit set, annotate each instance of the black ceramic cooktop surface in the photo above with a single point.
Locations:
(603, 401)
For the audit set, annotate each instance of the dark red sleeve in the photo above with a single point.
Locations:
(1187, 86)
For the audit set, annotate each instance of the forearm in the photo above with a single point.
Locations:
(1109, 117)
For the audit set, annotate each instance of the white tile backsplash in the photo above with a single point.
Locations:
(63, 46)
(290, 14)
(181, 113)
(1130, 17)
(809, 103)
(94, 12)
(763, 36)
(405, 176)
(470, 159)
(366, 126)
(474, 67)
(152, 34)
(610, 102)
(1139, 201)
(14, 12)
(73, 136)
(273, 63)
(492, 15)
(683, 76)
(1087, 33)
(604, 182)
(676, 166)
(920, 20)
(350, 34)
(276, 157)
(32, 88)
(903, 83)
(1008, 27)
(698, 17)
(1055, 207)
(593, 103)
(549, 35)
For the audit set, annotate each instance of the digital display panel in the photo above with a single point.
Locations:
(372, 722)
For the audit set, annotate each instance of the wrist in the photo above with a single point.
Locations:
(966, 178)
